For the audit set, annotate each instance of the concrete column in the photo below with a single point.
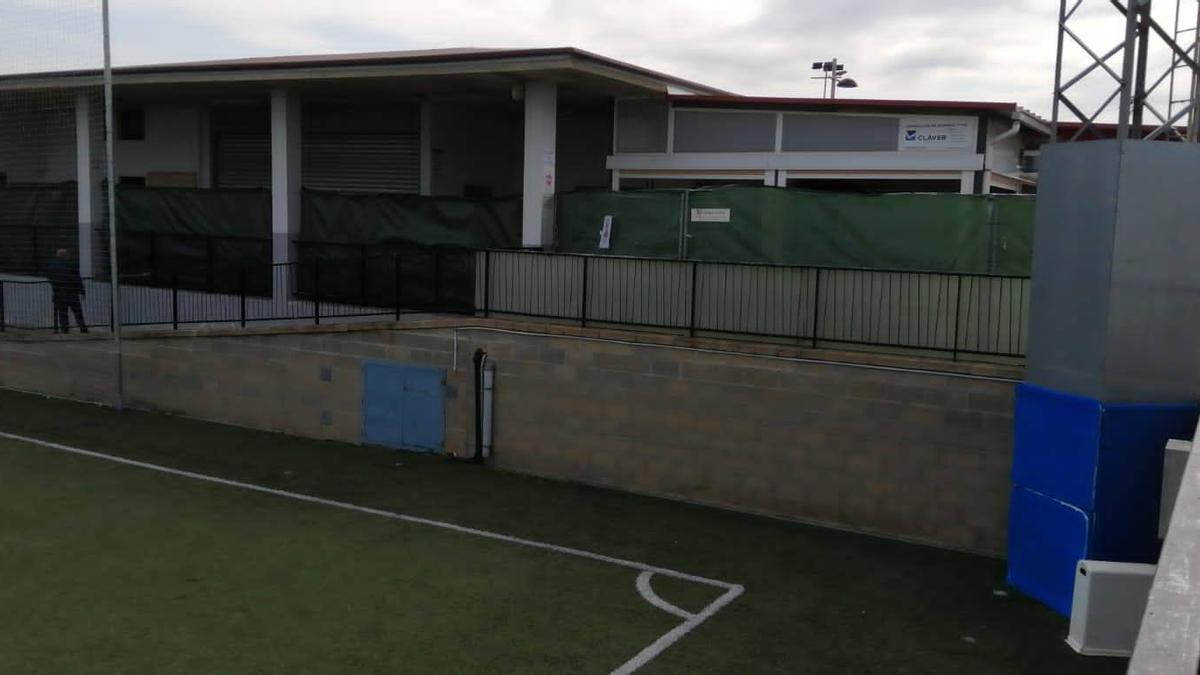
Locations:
(966, 185)
(426, 148)
(541, 134)
(88, 193)
(204, 148)
(285, 182)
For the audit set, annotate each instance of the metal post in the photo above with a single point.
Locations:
(396, 269)
(34, 236)
(583, 296)
(153, 258)
(1194, 88)
(817, 310)
(317, 291)
(110, 168)
(175, 301)
(487, 282)
(437, 279)
(1127, 70)
(242, 293)
(208, 262)
(957, 316)
(1058, 67)
(2, 319)
(692, 312)
(1139, 80)
(362, 273)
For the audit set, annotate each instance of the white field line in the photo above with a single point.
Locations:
(647, 591)
(732, 591)
(671, 637)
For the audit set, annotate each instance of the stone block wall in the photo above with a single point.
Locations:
(860, 445)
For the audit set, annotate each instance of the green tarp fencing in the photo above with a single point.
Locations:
(35, 221)
(432, 221)
(412, 242)
(203, 238)
(208, 236)
(928, 232)
(645, 224)
(216, 213)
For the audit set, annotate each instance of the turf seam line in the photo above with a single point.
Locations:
(732, 591)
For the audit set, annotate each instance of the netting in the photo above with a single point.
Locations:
(53, 162)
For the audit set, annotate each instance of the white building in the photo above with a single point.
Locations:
(466, 122)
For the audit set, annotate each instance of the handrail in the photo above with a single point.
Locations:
(705, 261)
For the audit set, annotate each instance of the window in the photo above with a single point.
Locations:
(1029, 161)
(709, 131)
(131, 125)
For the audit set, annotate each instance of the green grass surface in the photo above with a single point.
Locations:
(113, 569)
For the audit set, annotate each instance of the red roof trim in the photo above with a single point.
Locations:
(986, 106)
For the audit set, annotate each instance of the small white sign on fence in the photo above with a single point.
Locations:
(606, 233)
(712, 215)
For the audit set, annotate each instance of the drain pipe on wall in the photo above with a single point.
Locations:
(485, 385)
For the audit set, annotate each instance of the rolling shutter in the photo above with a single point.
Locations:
(243, 160)
(362, 162)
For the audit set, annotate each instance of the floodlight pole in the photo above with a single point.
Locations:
(833, 80)
(114, 276)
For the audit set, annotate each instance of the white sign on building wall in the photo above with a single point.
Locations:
(928, 133)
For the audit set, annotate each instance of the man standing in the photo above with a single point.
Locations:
(67, 291)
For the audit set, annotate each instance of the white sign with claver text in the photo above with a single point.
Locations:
(930, 133)
(711, 215)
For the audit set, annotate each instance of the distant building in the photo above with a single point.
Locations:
(846, 144)
(480, 123)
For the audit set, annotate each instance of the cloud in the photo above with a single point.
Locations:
(935, 49)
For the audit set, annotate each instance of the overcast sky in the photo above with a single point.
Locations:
(942, 49)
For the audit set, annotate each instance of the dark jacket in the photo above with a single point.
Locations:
(65, 283)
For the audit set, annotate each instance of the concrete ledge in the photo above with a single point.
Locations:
(1000, 371)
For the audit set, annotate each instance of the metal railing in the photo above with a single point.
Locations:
(433, 280)
(945, 312)
(212, 263)
(958, 314)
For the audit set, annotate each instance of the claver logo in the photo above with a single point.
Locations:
(910, 135)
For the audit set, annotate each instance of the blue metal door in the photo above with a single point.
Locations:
(403, 406)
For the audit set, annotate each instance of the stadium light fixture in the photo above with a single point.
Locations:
(833, 76)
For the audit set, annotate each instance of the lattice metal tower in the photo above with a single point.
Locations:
(1185, 86)
(1130, 100)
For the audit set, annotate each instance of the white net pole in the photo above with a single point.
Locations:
(110, 170)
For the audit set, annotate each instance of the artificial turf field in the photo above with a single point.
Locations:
(110, 568)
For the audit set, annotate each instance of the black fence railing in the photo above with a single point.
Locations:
(196, 262)
(934, 311)
(433, 280)
(944, 312)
